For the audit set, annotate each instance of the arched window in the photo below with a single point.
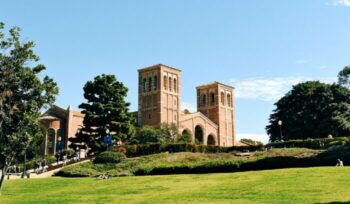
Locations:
(170, 84)
(155, 83)
(222, 96)
(149, 84)
(144, 84)
(212, 98)
(51, 141)
(165, 81)
(60, 134)
(229, 100)
(204, 100)
(175, 85)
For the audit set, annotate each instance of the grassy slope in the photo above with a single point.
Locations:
(308, 185)
(130, 165)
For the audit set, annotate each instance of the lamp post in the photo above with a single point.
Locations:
(59, 148)
(280, 125)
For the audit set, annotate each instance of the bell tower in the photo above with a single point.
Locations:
(215, 100)
(159, 95)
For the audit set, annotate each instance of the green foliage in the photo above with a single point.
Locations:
(344, 77)
(319, 143)
(311, 110)
(155, 148)
(109, 157)
(24, 92)
(188, 162)
(166, 133)
(185, 138)
(251, 142)
(105, 110)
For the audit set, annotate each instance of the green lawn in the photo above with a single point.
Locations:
(308, 185)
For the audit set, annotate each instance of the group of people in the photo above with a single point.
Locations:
(14, 169)
(40, 166)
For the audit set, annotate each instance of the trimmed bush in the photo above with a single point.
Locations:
(109, 157)
(321, 143)
(155, 148)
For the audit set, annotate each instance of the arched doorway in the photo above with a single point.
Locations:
(211, 140)
(198, 135)
(186, 136)
(51, 141)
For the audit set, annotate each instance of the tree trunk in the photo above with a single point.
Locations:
(2, 179)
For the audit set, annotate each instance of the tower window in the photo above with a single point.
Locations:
(144, 84)
(229, 100)
(149, 84)
(165, 81)
(175, 85)
(222, 96)
(170, 84)
(204, 100)
(212, 98)
(155, 83)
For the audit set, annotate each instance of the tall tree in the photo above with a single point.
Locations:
(311, 110)
(106, 112)
(22, 95)
(344, 77)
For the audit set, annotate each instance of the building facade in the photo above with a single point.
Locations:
(159, 102)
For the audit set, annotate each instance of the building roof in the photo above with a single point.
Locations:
(215, 83)
(158, 65)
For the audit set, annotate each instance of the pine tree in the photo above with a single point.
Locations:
(106, 112)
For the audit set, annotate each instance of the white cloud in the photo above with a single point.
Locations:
(264, 138)
(301, 61)
(339, 3)
(269, 89)
(192, 107)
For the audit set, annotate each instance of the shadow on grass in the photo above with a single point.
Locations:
(335, 202)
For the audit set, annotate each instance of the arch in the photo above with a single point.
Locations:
(222, 96)
(229, 100)
(175, 85)
(51, 141)
(211, 140)
(186, 136)
(199, 135)
(165, 81)
(212, 98)
(155, 83)
(170, 84)
(204, 100)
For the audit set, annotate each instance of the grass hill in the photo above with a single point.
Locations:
(187, 162)
(297, 185)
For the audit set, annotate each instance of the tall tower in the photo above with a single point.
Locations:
(215, 100)
(159, 95)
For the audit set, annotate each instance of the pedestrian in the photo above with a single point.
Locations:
(339, 163)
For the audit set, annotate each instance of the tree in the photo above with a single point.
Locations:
(106, 112)
(186, 137)
(311, 110)
(344, 77)
(22, 95)
(148, 134)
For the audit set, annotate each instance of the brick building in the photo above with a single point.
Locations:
(159, 102)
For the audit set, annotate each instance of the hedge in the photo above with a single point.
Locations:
(109, 157)
(155, 148)
(319, 143)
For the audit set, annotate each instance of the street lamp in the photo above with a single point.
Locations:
(280, 124)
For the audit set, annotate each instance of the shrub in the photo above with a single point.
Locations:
(109, 157)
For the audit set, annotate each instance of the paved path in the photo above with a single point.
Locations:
(46, 174)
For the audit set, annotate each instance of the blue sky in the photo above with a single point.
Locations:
(260, 47)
